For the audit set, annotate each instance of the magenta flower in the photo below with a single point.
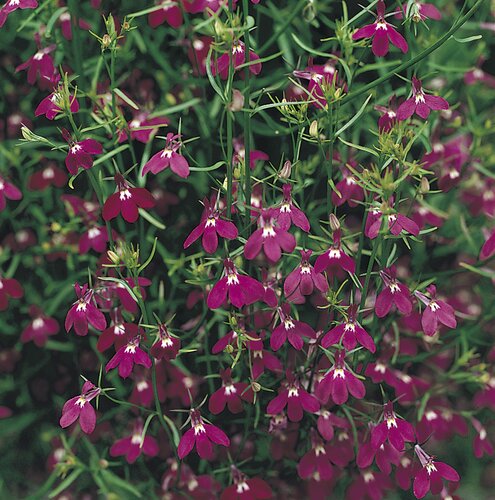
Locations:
(393, 293)
(40, 328)
(65, 20)
(396, 430)
(347, 190)
(241, 290)
(303, 279)
(126, 201)
(79, 154)
(261, 359)
(388, 117)
(290, 330)
(169, 157)
(431, 475)
(202, 435)
(13, 5)
(419, 11)
(135, 444)
(239, 157)
(420, 103)
(289, 214)
(9, 288)
(436, 311)
(118, 333)
(292, 395)
(316, 461)
(96, 238)
(397, 223)
(231, 394)
(335, 258)
(79, 408)
(349, 333)
(385, 455)
(245, 488)
(481, 443)
(50, 175)
(269, 237)
(326, 421)
(40, 65)
(210, 227)
(9, 191)
(338, 382)
(54, 104)
(83, 311)
(169, 12)
(198, 54)
(127, 356)
(381, 32)
(142, 128)
(166, 346)
(238, 58)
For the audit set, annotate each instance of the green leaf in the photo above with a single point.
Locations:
(66, 483)
(119, 483)
(357, 146)
(355, 117)
(126, 99)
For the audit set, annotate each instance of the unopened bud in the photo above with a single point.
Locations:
(103, 463)
(256, 386)
(228, 349)
(424, 187)
(114, 258)
(334, 222)
(126, 26)
(313, 129)
(233, 322)
(237, 101)
(105, 41)
(286, 170)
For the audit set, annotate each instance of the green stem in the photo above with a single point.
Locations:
(247, 123)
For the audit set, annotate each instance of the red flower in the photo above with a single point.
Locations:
(126, 201)
(392, 428)
(396, 222)
(80, 153)
(347, 190)
(289, 214)
(169, 157)
(292, 395)
(142, 128)
(41, 64)
(230, 394)
(393, 293)
(40, 328)
(13, 5)
(436, 311)
(349, 333)
(54, 104)
(9, 288)
(135, 444)
(241, 290)
(335, 258)
(170, 12)
(202, 435)
(9, 191)
(381, 32)
(261, 359)
(420, 103)
(127, 356)
(238, 58)
(210, 227)
(419, 11)
(315, 461)
(245, 488)
(240, 154)
(66, 25)
(481, 444)
(431, 475)
(83, 311)
(50, 175)
(118, 333)
(290, 329)
(166, 346)
(338, 382)
(79, 408)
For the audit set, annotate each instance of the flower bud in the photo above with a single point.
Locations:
(237, 102)
(424, 186)
(114, 258)
(313, 129)
(334, 222)
(256, 386)
(228, 349)
(105, 41)
(286, 170)
(103, 463)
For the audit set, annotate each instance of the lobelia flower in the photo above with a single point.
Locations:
(335, 258)
(231, 394)
(126, 201)
(65, 20)
(315, 461)
(349, 333)
(83, 311)
(487, 250)
(393, 293)
(303, 279)
(166, 346)
(369, 485)
(271, 289)
(9, 289)
(80, 408)
(388, 119)
(326, 421)
(142, 128)
(202, 435)
(347, 190)
(40, 328)
(13, 5)
(170, 12)
(396, 221)
(385, 456)
(289, 214)
(290, 330)
(40, 65)
(127, 356)
(381, 32)
(338, 382)
(198, 54)
(261, 359)
(269, 237)
(169, 157)
(96, 238)
(431, 474)
(420, 103)
(210, 227)
(54, 104)
(79, 154)
(396, 430)
(436, 311)
(118, 333)
(292, 395)
(481, 444)
(240, 154)
(142, 393)
(135, 444)
(245, 488)
(241, 290)
(50, 175)
(9, 191)
(419, 11)
(238, 58)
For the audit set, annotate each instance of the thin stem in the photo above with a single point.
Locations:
(247, 122)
